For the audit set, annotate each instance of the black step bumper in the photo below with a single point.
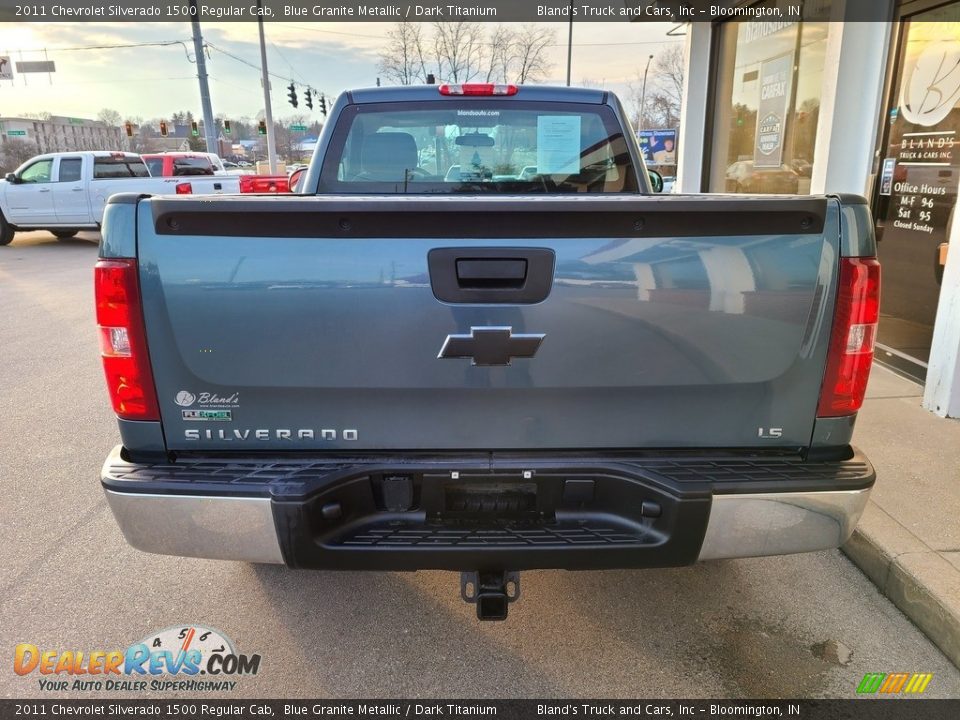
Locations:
(487, 511)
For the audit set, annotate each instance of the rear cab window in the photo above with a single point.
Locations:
(478, 146)
(119, 167)
(192, 166)
(155, 166)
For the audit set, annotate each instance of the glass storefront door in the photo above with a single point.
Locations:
(915, 196)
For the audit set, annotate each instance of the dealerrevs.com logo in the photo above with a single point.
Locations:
(181, 657)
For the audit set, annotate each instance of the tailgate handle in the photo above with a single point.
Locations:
(492, 273)
(517, 276)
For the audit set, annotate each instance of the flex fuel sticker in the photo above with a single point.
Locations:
(208, 415)
(558, 144)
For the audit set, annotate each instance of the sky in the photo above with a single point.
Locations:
(152, 82)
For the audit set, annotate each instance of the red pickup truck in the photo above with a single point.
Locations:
(180, 164)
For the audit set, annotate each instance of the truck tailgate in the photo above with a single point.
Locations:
(308, 323)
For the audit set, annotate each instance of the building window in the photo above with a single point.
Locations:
(767, 102)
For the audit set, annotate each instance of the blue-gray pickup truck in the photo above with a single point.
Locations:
(477, 340)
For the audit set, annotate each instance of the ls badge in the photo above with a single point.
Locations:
(490, 346)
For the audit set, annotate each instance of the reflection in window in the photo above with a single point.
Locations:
(70, 169)
(767, 106)
(39, 172)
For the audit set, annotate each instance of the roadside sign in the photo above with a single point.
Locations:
(659, 147)
(36, 66)
(298, 128)
(6, 68)
(11, 133)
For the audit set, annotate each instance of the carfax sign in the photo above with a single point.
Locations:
(776, 77)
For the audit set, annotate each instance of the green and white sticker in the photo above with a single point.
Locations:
(215, 415)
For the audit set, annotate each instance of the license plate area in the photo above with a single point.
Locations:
(484, 499)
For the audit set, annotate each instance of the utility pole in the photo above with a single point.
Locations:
(209, 129)
(265, 79)
(643, 97)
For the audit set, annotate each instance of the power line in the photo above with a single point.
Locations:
(283, 57)
(248, 63)
(387, 37)
(158, 43)
(139, 80)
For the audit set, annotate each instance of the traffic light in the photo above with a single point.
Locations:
(323, 105)
(226, 127)
(262, 127)
(308, 99)
(163, 128)
(194, 128)
(292, 94)
(129, 128)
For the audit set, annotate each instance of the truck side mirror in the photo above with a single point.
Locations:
(295, 177)
(12, 178)
(656, 180)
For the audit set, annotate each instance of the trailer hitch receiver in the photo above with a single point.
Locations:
(491, 591)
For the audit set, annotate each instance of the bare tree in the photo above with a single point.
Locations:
(109, 117)
(459, 50)
(530, 45)
(402, 61)
(664, 91)
(669, 75)
(288, 140)
(501, 57)
(14, 152)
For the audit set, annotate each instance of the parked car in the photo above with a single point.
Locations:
(66, 192)
(400, 369)
(744, 177)
(232, 168)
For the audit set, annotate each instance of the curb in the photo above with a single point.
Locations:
(923, 584)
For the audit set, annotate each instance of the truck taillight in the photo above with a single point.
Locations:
(123, 342)
(184, 188)
(478, 89)
(851, 341)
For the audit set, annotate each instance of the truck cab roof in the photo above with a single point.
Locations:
(421, 93)
(85, 153)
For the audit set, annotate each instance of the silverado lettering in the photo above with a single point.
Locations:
(269, 434)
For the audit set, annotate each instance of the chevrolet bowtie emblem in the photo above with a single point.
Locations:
(490, 346)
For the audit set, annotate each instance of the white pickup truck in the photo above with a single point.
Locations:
(66, 192)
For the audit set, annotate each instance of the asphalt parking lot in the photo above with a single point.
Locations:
(749, 628)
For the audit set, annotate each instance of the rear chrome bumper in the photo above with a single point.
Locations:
(219, 528)
(781, 523)
(184, 512)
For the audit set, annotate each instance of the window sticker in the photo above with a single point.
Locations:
(558, 144)
(886, 177)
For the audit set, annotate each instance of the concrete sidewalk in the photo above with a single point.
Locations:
(908, 540)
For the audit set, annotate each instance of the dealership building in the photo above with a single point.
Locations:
(824, 104)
